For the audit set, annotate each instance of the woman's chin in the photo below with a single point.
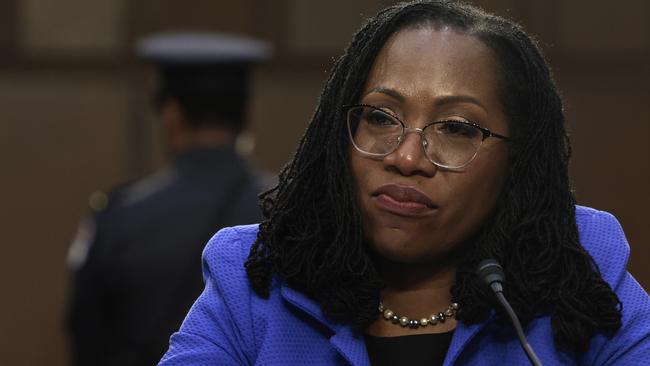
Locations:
(404, 252)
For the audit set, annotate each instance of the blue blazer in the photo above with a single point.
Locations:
(230, 325)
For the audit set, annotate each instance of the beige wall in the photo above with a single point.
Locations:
(75, 117)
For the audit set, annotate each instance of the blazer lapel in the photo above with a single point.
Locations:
(463, 334)
(349, 345)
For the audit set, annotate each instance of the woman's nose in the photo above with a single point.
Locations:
(409, 157)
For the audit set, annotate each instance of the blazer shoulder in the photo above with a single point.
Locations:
(230, 246)
(602, 236)
(219, 328)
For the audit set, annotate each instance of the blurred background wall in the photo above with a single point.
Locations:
(75, 117)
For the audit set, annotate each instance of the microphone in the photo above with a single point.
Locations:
(491, 272)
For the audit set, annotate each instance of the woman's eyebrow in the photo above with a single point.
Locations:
(390, 92)
(440, 101)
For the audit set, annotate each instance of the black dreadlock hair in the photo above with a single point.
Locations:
(312, 235)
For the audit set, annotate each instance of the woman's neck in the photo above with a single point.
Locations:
(415, 291)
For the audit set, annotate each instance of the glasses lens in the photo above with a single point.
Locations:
(452, 144)
(373, 131)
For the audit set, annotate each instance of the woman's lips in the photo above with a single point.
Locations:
(403, 201)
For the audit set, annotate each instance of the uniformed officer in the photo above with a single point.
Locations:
(137, 259)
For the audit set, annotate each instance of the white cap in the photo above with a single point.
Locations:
(200, 48)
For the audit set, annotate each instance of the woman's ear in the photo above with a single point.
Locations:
(172, 115)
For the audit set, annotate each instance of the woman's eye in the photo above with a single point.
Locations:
(378, 118)
(457, 129)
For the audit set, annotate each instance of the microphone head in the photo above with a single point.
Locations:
(490, 271)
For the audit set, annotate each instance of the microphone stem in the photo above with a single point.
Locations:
(520, 332)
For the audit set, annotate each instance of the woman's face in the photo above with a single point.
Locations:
(424, 75)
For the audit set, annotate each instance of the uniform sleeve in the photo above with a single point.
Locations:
(90, 308)
(217, 329)
(605, 240)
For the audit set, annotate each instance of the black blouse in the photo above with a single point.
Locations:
(412, 350)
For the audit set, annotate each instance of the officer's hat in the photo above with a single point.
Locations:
(206, 72)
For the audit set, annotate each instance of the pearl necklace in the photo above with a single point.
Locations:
(433, 319)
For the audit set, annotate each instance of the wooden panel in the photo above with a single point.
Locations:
(147, 16)
(325, 26)
(65, 26)
(282, 106)
(7, 25)
(587, 26)
(61, 137)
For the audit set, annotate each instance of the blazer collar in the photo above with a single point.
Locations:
(347, 343)
(352, 346)
(463, 334)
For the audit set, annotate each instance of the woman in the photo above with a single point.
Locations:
(438, 142)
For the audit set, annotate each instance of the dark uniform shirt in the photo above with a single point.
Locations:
(142, 271)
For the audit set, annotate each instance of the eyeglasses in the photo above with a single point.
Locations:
(449, 144)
